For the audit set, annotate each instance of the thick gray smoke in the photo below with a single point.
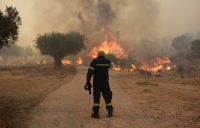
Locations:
(129, 20)
(134, 19)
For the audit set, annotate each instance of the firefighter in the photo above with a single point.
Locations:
(99, 68)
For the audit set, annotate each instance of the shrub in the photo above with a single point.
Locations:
(180, 55)
(180, 69)
(173, 59)
(72, 69)
(112, 58)
(124, 63)
(192, 68)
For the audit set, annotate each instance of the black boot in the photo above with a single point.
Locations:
(110, 111)
(95, 114)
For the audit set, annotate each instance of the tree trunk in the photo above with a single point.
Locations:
(57, 62)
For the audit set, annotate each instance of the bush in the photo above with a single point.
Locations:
(72, 69)
(192, 68)
(188, 71)
(124, 63)
(195, 46)
(180, 55)
(180, 69)
(189, 57)
(112, 58)
(173, 59)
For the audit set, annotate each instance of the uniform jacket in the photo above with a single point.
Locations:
(99, 67)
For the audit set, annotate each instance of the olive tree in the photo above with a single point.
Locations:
(9, 25)
(58, 45)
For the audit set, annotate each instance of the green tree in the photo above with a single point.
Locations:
(195, 46)
(9, 25)
(182, 42)
(58, 45)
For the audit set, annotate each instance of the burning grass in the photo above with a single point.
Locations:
(24, 87)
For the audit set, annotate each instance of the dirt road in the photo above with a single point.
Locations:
(68, 107)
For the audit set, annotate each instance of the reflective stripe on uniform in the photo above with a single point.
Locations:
(91, 68)
(109, 104)
(102, 64)
(96, 104)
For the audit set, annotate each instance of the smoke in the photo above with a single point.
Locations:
(129, 20)
(133, 18)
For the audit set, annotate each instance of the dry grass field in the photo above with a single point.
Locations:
(171, 101)
(22, 88)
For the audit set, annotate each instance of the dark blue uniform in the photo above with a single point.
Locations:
(99, 67)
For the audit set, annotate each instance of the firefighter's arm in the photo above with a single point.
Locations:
(90, 71)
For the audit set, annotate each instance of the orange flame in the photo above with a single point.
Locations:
(43, 62)
(118, 68)
(168, 67)
(79, 61)
(66, 62)
(109, 46)
(102, 27)
(82, 19)
(37, 62)
(157, 64)
(133, 68)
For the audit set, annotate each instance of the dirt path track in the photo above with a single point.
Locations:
(68, 107)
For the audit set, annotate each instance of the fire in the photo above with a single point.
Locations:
(37, 62)
(79, 61)
(118, 68)
(43, 62)
(82, 19)
(133, 67)
(66, 62)
(156, 64)
(109, 46)
(168, 67)
(102, 27)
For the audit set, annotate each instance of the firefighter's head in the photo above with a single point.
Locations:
(101, 53)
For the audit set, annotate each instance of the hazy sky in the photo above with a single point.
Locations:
(175, 17)
(179, 16)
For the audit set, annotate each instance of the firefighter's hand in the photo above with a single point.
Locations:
(89, 85)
